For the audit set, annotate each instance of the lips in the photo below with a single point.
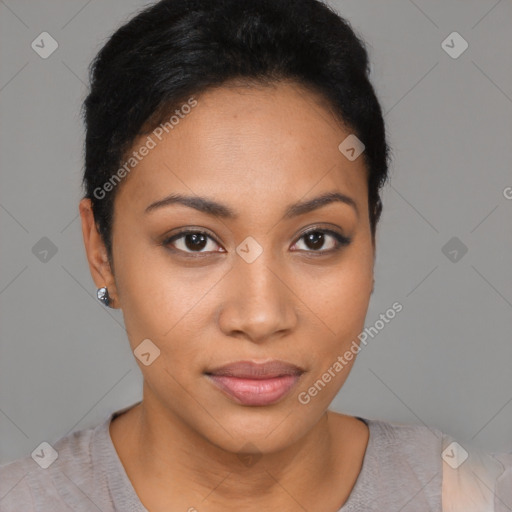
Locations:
(251, 370)
(250, 383)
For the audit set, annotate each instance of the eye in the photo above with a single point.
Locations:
(191, 241)
(322, 240)
(315, 240)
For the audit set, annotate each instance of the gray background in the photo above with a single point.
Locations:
(443, 361)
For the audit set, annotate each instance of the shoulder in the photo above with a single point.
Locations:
(462, 476)
(503, 488)
(410, 453)
(419, 446)
(401, 469)
(53, 477)
(15, 493)
(475, 480)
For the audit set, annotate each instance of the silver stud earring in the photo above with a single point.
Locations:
(103, 296)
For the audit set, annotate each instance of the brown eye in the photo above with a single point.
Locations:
(322, 240)
(192, 241)
(314, 240)
(195, 241)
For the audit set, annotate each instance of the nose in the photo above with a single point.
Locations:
(259, 305)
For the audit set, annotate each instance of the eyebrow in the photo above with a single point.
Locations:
(211, 207)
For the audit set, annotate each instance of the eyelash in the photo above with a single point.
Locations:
(341, 241)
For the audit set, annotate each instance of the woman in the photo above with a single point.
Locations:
(235, 151)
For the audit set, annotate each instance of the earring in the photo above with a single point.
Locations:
(103, 296)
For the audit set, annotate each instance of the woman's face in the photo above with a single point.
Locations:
(255, 287)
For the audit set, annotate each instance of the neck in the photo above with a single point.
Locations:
(172, 459)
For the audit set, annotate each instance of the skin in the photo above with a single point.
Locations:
(270, 147)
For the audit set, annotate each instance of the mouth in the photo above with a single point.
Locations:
(256, 384)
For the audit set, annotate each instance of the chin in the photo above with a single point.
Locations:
(266, 429)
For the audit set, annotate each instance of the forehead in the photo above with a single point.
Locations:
(250, 146)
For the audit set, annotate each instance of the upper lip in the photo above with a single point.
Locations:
(252, 370)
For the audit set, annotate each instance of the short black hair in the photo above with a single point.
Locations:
(176, 49)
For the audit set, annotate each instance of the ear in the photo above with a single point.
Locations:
(97, 257)
(374, 248)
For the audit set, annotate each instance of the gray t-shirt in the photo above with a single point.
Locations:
(406, 468)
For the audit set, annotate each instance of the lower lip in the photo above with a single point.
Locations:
(255, 391)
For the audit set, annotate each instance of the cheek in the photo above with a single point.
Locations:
(340, 298)
(341, 302)
(159, 299)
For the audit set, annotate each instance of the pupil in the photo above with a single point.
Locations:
(315, 240)
(198, 241)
